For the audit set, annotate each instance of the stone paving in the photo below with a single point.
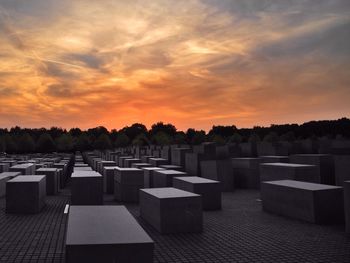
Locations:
(240, 232)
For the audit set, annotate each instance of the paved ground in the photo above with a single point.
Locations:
(240, 232)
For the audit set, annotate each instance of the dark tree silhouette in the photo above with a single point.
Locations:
(45, 144)
(26, 143)
(103, 142)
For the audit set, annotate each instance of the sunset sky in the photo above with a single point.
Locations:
(193, 63)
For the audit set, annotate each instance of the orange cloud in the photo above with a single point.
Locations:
(192, 63)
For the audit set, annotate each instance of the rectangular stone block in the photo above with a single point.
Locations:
(274, 159)
(130, 162)
(219, 170)
(210, 190)
(171, 167)
(121, 160)
(192, 163)
(291, 171)
(108, 179)
(127, 183)
(315, 203)
(246, 172)
(24, 169)
(105, 164)
(140, 165)
(178, 156)
(4, 167)
(170, 210)
(164, 178)
(148, 173)
(157, 161)
(4, 177)
(347, 205)
(106, 234)
(324, 164)
(87, 188)
(25, 194)
(52, 180)
(146, 158)
(208, 149)
(342, 169)
(228, 151)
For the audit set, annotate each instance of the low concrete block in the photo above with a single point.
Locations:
(106, 234)
(164, 178)
(246, 172)
(87, 188)
(52, 179)
(210, 190)
(291, 171)
(4, 177)
(170, 210)
(25, 194)
(148, 173)
(324, 164)
(315, 203)
(219, 170)
(127, 183)
(347, 205)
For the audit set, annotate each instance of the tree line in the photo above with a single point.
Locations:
(24, 140)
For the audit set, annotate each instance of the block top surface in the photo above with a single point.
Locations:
(126, 157)
(274, 156)
(312, 154)
(23, 165)
(152, 168)
(46, 170)
(108, 162)
(141, 164)
(125, 169)
(302, 185)
(111, 167)
(133, 159)
(196, 180)
(170, 166)
(98, 225)
(164, 171)
(85, 174)
(246, 158)
(290, 165)
(158, 159)
(27, 179)
(168, 192)
(13, 174)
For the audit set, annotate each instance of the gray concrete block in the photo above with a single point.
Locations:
(178, 156)
(246, 172)
(170, 210)
(219, 170)
(342, 169)
(87, 188)
(347, 205)
(315, 203)
(291, 171)
(164, 178)
(323, 162)
(210, 190)
(52, 180)
(106, 234)
(25, 194)
(148, 173)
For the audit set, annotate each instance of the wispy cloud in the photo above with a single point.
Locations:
(193, 63)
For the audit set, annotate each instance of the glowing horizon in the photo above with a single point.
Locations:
(190, 63)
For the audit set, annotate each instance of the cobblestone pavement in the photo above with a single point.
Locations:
(240, 232)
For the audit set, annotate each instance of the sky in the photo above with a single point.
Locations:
(192, 63)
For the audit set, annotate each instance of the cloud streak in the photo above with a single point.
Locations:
(193, 63)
